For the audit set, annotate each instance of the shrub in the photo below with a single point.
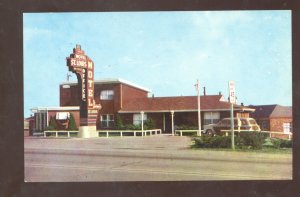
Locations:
(149, 124)
(254, 140)
(213, 142)
(275, 142)
(72, 124)
(52, 125)
(187, 127)
(133, 127)
(281, 143)
(286, 143)
(119, 123)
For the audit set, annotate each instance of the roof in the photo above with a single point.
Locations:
(181, 103)
(110, 81)
(271, 111)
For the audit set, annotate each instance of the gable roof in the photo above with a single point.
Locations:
(271, 111)
(282, 111)
(110, 81)
(180, 103)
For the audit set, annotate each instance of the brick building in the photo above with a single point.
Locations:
(273, 117)
(129, 101)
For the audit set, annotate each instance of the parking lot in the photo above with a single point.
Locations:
(151, 158)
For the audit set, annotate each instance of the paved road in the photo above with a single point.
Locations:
(155, 158)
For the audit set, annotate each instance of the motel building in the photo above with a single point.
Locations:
(130, 102)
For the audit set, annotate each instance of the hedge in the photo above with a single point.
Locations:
(249, 140)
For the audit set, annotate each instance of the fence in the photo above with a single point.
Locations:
(107, 133)
(59, 132)
(132, 132)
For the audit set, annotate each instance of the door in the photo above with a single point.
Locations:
(168, 123)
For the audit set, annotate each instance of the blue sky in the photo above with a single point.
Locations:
(165, 52)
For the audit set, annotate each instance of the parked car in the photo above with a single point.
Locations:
(246, 124)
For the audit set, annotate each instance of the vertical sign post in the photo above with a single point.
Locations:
(199, 113)
(232, 100)
(83, 67)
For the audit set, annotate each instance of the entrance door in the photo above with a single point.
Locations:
(168, 123)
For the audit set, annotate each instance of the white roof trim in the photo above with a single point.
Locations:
(110, 80)
(35, 109)
(188, 110)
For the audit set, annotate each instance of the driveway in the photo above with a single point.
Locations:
(151, 158)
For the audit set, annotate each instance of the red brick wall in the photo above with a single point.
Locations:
(75, 114)
(157, 118)
(129, 92)
(276, 124)
(69, 96)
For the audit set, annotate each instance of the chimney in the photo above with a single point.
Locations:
(220, 93)
(204, 91)
(152, 95)
(242, 104)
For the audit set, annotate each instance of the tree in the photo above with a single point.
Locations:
(52, 124)
(72, 123)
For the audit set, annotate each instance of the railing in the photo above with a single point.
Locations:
(133, 132)
(59, 132)
(186, 131)
(279, 134)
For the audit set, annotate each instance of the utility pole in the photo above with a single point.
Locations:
(199, 112)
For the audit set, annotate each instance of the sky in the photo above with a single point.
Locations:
(165, 52)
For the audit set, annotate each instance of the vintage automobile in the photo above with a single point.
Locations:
(240, 124)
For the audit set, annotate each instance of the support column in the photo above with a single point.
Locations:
(164, 122)
(142, 123)
(172, 118)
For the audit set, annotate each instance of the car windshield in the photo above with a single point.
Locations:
(252, 121)
(244, 122)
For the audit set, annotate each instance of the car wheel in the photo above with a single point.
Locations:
(210, 132)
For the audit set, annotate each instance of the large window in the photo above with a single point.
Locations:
(107, 120)
(211, 117)
(107, 95)
(137, 119)
(41, 121)
(287, 127)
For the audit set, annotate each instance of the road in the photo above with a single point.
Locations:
(151, 158)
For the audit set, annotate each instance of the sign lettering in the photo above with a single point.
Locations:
(83, 66)
(232, 97)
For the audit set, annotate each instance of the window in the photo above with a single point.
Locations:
(264, 125)
(62, 115)
(107, 120)
(286, 127)
(41, 120)
(211, 117)
(107, 95)
(137, 119)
